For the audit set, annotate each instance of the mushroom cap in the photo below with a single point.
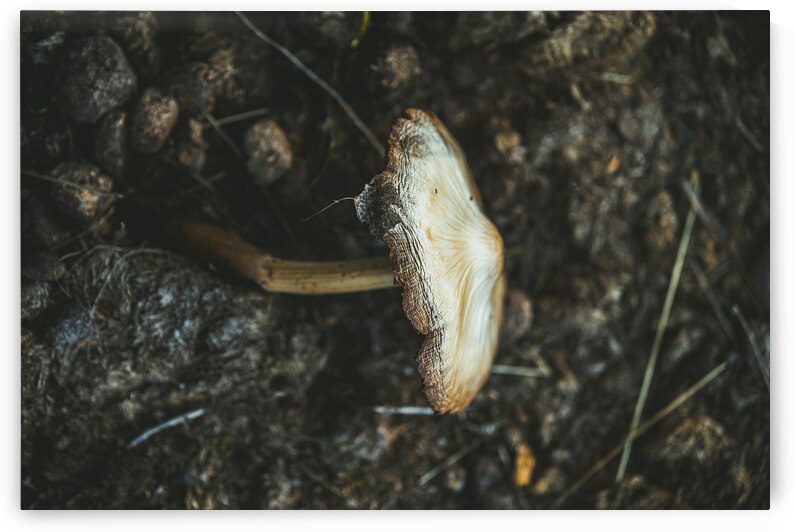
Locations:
(446, 254)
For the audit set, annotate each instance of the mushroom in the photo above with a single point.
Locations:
(443, 251)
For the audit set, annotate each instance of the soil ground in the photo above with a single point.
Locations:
(592, 136)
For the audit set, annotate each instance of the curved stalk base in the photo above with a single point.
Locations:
(226, 249)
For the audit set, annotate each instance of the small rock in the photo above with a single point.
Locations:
(195, 87)
(661, 223)
(633, 493)
(136, 32)
(455, 478)
(190, 145)
(155, 116)
(524, 465)
(245, 77)
(82, 191)
(95, 78)
(269, 152)
(397, 67)
(551, 482)
(518, 315)
(110, 143)
(698, 440)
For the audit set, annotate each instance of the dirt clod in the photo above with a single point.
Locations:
(269, 152)
(81, 191)
(95, 78)
(154, 118)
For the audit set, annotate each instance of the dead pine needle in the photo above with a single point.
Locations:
(642, 429)
(317, 80)
(650, 367)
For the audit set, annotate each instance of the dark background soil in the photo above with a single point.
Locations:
(581, 130)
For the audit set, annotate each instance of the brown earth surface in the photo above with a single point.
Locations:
(591, 137)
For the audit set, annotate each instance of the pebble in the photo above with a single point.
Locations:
(269, 152)
(155, 117)
(191, 149)
(95, 78)
(195, 87)
(82, 195)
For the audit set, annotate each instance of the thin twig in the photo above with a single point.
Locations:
(642, 429)
(229, 142)
(672, 287)
(231, 119)
(448, 462)
(405, 410)
(268, 197)
(167, 425)
(753, 342)
(319, 81)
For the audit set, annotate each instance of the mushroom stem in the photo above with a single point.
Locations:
(226, 249)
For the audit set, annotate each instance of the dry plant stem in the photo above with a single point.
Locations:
(672, 287)
(318, 80)
(642, 429)
(277, 275)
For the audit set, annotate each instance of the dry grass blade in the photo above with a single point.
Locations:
(520, 371)
(712, 297)
(229, 142)
(239, 117)
(450, 461)
(672, 287)
(318, 80)
(642, 429)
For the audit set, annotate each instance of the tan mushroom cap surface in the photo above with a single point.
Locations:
(446, 254)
